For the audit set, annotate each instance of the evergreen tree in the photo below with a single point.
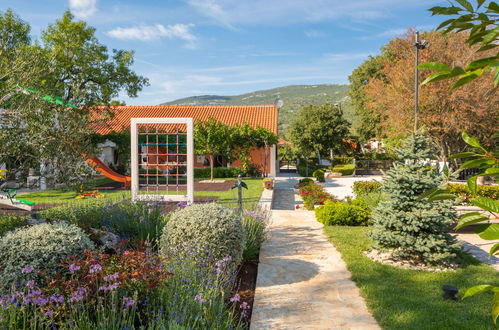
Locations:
(412, 227)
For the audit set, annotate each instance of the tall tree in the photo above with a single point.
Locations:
(48, 93)
(366, 121)
(319, 128)
(443, 113)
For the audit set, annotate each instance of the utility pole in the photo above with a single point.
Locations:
(419, 44)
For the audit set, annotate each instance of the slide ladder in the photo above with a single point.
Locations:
(109, 173)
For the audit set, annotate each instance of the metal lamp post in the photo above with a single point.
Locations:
(418, 44)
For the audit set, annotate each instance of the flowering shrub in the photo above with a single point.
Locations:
(366, 187)
(255, 226)
(210, 229)
(134, 221)
(313, 194)
(303, 182)
(42, 247)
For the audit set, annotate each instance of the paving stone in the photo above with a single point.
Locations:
(302, 281)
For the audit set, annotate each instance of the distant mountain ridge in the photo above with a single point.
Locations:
(294, 97)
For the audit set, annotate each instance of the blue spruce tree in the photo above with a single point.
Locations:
(411, 227)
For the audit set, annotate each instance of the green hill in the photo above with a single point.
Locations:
(294, 98)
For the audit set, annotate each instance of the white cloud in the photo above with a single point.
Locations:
(83, 8)
(155, 32)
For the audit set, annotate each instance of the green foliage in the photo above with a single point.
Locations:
(303, 168)
(353, 213)
(218, 172)
(319, 175)
(135, 221)
(209, 229)
(372, 199)
(405, 224)
(464, 193)
(366, 121)
(40, 80)
(42, 246)
(122, 140)
(255, 228)
(11, 222)
(319, 128)
(342, 160)
(483, 32)
(365, 187)
(303, 182)
(346, 169)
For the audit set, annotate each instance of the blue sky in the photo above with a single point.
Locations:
(229, 47)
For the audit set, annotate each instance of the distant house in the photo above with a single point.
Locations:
(255, 115)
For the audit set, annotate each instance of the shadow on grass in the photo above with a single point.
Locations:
(409, 299)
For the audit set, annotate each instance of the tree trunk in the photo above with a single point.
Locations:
(212, 165)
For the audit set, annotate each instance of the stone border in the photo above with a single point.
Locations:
(266, 199)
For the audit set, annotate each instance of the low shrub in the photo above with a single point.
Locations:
(346, 169)
(354, 213)
(302, 168)
(208, 229)
(314, 194)
(255, 227)
(465, 195)
(303, 182)
(319, 175)
(365, 187)
(134, 221)
(42, 248)
(219, 172)
(11, 222)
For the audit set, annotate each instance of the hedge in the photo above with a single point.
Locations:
(463, 192)
(346, 169)
(319, 175)
(365, 187)
(343, 214)
(218, 172)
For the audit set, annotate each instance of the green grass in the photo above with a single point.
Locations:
(409, 299)
(63, 196)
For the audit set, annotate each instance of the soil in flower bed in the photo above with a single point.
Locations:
(246, 278)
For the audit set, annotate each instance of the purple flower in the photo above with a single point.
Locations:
(151, 210)
(95, 268)
(141, 218)
(41, 301)
(109, 287)
(78, 294)
(112, 277)
(56, 298)
(49, 313)
(30, 284)
(235, 298)
(182, 205)
(27, 269)
(199, 297)
(128, 302)
(74, 268)
(244, 305)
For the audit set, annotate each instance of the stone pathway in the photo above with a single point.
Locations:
(302, 281)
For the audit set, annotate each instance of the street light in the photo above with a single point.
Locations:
(418, 44)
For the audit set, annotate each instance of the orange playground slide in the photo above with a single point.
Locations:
(107, 172)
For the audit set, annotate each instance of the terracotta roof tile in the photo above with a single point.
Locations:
(255, 115)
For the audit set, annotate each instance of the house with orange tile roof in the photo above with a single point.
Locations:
(264, 116)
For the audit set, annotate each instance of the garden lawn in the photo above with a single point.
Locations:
(63, 196)
(409, 299)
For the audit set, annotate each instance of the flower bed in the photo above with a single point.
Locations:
(135, 285)
(313, 194)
